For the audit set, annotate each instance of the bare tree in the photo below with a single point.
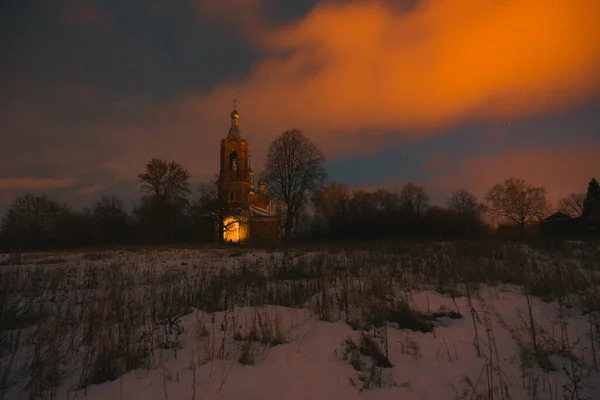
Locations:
(294, 173)
(414, 198)
(109, 220)
(209, 206)
(166, 186)
(165, 181)
(35, 222)
(209, 195)
(465, 204)
(385, 201)
(572, 205)
(331, 205)
(467, 209)
(515, 201)
(327, 200)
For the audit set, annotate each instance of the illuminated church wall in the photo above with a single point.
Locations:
(249, 215)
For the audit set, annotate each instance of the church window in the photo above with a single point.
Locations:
(233, 161)
(231, 197)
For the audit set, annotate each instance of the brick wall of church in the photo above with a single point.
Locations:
(262, 201)
(264, 231)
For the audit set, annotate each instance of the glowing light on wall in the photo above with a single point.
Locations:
(235, 229)
(231, 230)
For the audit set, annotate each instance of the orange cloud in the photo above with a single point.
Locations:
(345, 73)
(560, 171)
(34, 183)
(366, 67)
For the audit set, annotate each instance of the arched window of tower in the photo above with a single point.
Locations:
(233, 161)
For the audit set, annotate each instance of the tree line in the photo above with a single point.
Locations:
(345, 214)
(311, 208)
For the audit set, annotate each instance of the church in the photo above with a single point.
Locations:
(249, 215)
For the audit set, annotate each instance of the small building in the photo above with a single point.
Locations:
(557, 217)
(558, 224)
(249, 215)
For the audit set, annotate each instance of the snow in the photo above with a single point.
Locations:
(309, 366)
(481, 355)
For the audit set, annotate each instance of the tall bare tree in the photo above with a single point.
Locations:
(329, 203)
(294, 173)
(572, 205)
(209, 196)
(515, 201)
(209, 206)
(414, 199)
(35, 222)
(465, 204)
(328, 199)
(467, 209)
(109, 220)
(386, 201)
(165, 181)
(166, 185)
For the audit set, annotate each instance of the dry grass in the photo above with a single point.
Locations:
(97, 321)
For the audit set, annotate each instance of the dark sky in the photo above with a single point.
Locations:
(442, 93)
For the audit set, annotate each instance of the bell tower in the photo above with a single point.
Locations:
(235, 173)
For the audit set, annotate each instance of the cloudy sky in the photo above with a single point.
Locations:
(443, 93)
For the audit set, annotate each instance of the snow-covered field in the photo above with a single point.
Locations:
(443, 321)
